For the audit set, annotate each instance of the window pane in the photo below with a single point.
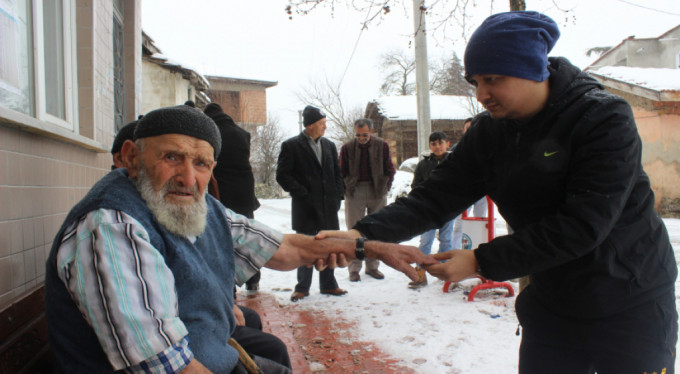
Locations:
(16, 58)
(54, 58)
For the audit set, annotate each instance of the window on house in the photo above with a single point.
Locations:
(16, 46)
(37, 67)
(53, 46)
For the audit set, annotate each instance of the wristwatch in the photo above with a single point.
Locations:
(359, 251)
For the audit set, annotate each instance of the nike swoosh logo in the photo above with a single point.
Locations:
(548, 154)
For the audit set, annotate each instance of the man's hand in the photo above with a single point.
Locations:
(333, 261)
(461, 264)
(238, 314)
(349, 234)
(399, 257)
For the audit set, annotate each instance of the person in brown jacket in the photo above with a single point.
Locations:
(367, 171)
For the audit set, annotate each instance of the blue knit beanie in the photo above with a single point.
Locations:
(515, 44)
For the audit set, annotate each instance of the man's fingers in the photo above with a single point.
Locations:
(437, 271)
(342, 260)
(323, 234)
(320, 265)
(351, 234)
(443, 256)
(411, 272)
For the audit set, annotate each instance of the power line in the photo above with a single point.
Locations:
(648, 8)
(356, 44)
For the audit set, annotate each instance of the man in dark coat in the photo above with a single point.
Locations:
(233, 172)
(561, 158)
(308, 169)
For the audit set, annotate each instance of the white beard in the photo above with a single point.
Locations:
(182, 220)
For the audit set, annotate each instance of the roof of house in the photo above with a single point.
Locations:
(441, 107)
(151, 53)
(654, 83)
(233, 80)
(632, 38)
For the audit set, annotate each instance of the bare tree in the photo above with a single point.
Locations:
(399, 67)
(266, 145)
(340, 118)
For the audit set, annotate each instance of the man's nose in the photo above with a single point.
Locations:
(186, 175)
(481, 93)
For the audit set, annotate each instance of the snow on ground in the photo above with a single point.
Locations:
(430, 331)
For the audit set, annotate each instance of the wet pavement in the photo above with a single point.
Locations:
(317, 342)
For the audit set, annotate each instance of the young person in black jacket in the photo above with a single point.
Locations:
(561, 158)
(439, 145)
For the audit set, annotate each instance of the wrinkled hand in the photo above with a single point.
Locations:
(461, 264)
(333, 261)
(399, 257)
(238, 314)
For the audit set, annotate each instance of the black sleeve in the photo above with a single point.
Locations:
(449, 189)
(285, 171)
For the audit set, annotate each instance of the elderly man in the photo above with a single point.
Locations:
(367, 170)
(561, 158)
(140, 276)
(308, 169)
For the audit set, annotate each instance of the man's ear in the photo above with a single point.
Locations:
(129, 154)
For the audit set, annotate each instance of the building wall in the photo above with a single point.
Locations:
(660, 133)
(244, 101)
(163, 87)
(646, 53)
(253, 107)
(230, 101)
(45, 169)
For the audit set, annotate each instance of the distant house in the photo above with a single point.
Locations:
(396, 117)
(70, 73)
(166, 82)
(245, 100)
(646, 72)
(659, 52)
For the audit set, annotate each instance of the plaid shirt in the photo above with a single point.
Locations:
(119, 245)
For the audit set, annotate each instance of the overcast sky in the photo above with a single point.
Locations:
(256, 40)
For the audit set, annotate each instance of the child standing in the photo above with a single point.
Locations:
(439, 145)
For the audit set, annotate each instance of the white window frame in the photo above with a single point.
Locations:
(70, 66)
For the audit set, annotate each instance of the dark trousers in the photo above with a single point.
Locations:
(255, 279)
(639, 340)
(327, 280)
(259, 343)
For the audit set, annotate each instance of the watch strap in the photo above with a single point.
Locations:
(359, 251)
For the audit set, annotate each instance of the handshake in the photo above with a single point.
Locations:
(333, 248)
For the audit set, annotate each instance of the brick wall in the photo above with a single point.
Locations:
(44, 171)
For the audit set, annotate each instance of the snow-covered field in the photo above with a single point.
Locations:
(431, 331)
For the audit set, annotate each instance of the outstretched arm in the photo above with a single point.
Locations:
(297, 250)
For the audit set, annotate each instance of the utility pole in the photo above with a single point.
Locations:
(300, 119)
(422, 80)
